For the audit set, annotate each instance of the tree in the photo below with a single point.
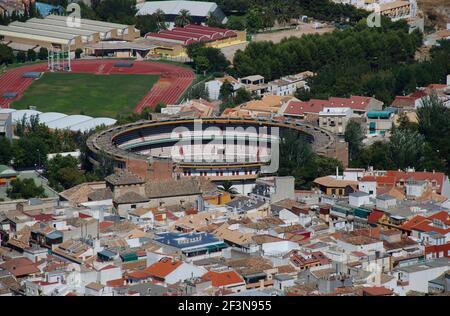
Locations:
(184, 18)
(31, 54)
(434, 124)
(160, 18)
(226, 91)
(5, 151)
(354, 136)
(146, 24)
(197, 91)
(78, 53)
(406, 149)
(201, 63)
(217, 62)
(6, 54)
(298, 160)
(227, 186)
(213, 21)
(254, 21)
(242, 96)
(159, 107)
(30, 152)
(43, 53)
(118, 11)
(405, 124)
(21, 57)
(237, 23)
(25, 189)
(62, 172)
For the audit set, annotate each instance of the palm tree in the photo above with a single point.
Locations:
(227, 186)
(160, 18)
(184, 18)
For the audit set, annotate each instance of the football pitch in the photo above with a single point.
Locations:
(88, 94)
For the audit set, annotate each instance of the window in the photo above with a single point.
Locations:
(133, 205)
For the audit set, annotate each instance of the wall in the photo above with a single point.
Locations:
(184, 272)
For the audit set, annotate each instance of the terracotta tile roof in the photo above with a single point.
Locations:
(130, 197)
(116, 283)
(328, 181)
(163, 268)
(20, 267)
(413, 221)
(123, 177)
(138, 274)
(443, 216)
(377, 291)
(403, 101)
(286, 269)
(80, 193)
(438, 177)
(220, 279)
(181, 187)
(374, 216)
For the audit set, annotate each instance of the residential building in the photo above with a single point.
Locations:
(6, 125)
(335, 120)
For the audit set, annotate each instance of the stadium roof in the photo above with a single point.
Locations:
(55, 120)
(50, 116)
(195, 8)
(90, 22)
(92, 124)
(17, 116)
(30, 30)
(68, 121)
(86, 27)
(32, 35)
(63, 29)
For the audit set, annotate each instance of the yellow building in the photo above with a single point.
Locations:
(329, 185)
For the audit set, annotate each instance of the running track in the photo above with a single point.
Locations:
(173, 81)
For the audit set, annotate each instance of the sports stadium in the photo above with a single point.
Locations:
(170, 84)
(220, 149)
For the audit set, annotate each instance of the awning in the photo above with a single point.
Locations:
(129, 257)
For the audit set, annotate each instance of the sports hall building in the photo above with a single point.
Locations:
(54, 31)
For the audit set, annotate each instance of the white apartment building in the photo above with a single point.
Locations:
(335, 119)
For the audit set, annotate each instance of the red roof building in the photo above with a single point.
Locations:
(436, 179)
(191, 34)
(359, 104)
(224, 279)
(20, 267)
(161, 269)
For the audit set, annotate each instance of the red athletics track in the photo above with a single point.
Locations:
(173, 81)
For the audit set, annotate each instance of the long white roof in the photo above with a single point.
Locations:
(18, 115)
(55, 120)
(195, 8)
(68, 121)
(92, 124)
(89, 22)
(45, 118)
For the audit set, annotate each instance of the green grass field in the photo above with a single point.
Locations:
(89, 94)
